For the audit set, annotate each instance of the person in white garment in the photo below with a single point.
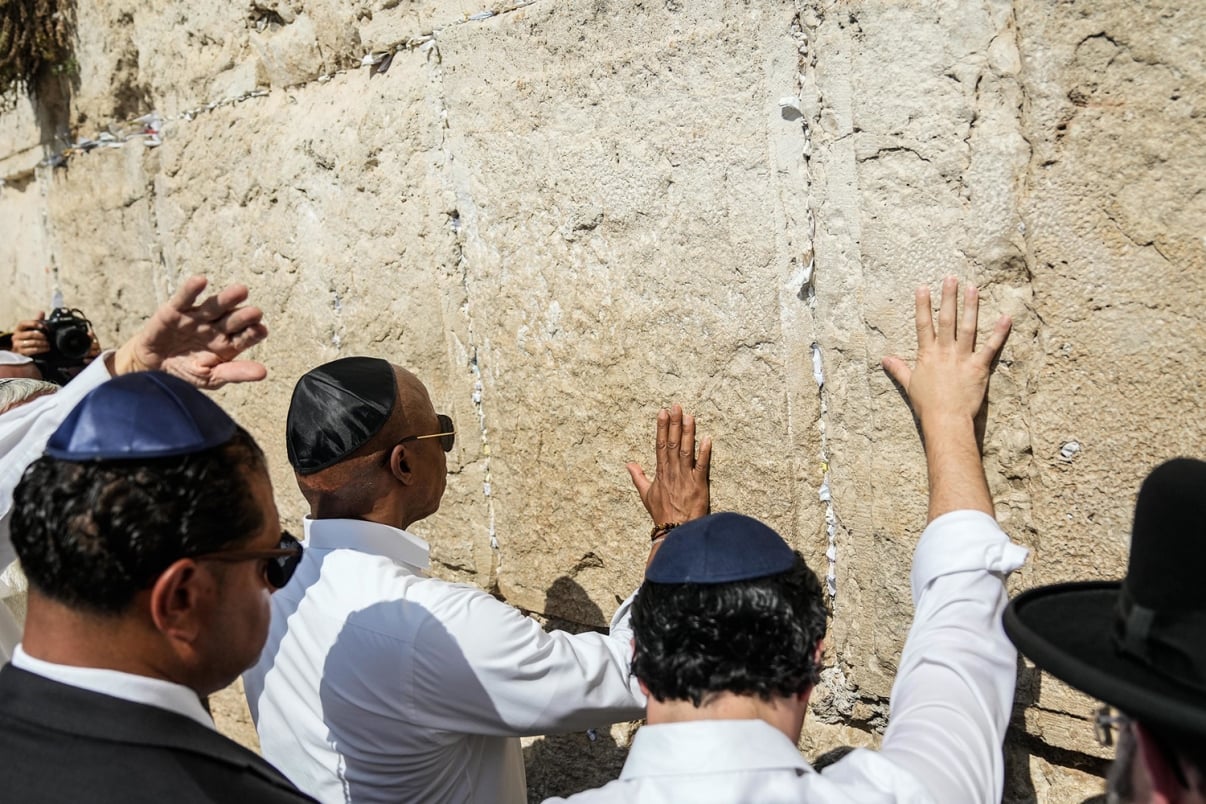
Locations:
(729, 621)
(196, 340)
(1138, 644)
(379, 683)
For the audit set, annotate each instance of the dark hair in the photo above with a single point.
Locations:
(92, 534)
(755, 637)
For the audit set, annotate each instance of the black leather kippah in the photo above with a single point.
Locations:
(720, 548)
(147, 414)
(336, 408)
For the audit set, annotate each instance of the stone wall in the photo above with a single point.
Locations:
(563, 215)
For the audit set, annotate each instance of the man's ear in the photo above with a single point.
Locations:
(399, 465)
(817, 652)
(176, 597)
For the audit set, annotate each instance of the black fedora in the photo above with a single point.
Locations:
(1138, 644)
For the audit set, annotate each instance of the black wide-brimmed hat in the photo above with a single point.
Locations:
(1138, 644)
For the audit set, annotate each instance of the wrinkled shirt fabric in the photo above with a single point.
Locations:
(380, 684)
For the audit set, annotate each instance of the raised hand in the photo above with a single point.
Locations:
(951, 377)
(947, 388)
(680, 488)
(198, 342)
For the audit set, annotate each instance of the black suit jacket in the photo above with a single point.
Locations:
(63, 744)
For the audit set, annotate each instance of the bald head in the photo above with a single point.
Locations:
(383, 480)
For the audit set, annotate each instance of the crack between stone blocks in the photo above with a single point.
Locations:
(473, 365)
(805, 37)
(42, 176)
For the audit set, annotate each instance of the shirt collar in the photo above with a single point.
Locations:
(114, 683)
(368, 537)
(711, 746)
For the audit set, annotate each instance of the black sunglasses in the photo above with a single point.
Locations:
(447, 433)
(278, 571)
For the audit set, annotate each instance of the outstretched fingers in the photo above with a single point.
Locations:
(923, 314)
(703, 460)
(686, 448)
(898, 370)
(246, 337)
(237, 371)
(639, 479)
(220, 304)
(187, 294)
(947, 311)
(674, 435)
(966, 338)
(996, 339)
(661, 451)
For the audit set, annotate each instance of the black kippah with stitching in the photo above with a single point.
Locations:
(336, 408)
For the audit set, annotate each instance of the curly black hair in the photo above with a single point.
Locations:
(91, 535)
(756, 637)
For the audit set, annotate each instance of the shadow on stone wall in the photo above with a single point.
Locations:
(1026, 755)
(38, 60)
(563, 764)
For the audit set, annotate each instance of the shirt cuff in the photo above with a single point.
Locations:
(963, 541)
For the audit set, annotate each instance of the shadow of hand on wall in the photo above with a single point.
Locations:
(563, 764)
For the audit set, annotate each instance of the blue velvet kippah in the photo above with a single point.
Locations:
(720, 548)
(335, 410)
(147, 414)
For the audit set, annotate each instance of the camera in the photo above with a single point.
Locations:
(70, 337)
(69, 334)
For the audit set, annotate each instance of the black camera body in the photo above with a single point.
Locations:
(69, 334)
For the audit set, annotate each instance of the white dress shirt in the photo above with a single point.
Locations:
(381, 684)
(24, 431)
(127, 686)
(950, 705)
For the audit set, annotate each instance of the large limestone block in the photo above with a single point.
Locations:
(565, 215)
(327, 200)
(1114, 224)
(25, 250)
(915, 165)
(622, 251)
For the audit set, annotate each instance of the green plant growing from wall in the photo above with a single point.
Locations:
(36, 36)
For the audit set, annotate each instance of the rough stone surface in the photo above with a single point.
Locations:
(564, 215)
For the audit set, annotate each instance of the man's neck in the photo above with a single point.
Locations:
(58, 634)
(383, 511)
(784, 713)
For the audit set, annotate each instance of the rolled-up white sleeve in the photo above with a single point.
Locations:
(954, 690)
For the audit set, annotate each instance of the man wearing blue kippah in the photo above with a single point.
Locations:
(197, 340)
(152, 545)
(729, 622)
(379, 683)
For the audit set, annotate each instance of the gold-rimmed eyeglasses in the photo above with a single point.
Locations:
(447, 433)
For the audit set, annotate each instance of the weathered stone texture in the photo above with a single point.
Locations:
(564, 215)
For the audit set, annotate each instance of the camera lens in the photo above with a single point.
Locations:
(72, 341)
